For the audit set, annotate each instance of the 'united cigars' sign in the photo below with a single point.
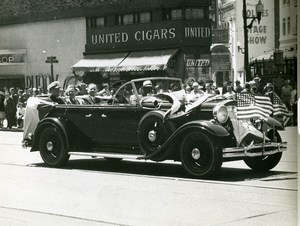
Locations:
(165, 34)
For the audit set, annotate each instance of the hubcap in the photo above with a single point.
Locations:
(196, 153)
(152, 135)
(49, 146)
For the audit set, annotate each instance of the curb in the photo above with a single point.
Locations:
(11, 130)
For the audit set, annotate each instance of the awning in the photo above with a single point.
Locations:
(99, 62)
(268, 56)
(147, 60)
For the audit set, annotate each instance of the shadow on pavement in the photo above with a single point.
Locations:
(166, 170)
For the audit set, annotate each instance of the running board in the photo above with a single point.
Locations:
(107, 155)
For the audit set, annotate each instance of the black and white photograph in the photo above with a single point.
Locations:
(149, 113)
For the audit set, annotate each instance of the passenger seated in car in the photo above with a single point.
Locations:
(71, 95)
(91, 98)
(54, 89)
(147, 88)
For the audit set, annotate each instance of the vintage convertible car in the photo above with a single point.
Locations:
(156, 126)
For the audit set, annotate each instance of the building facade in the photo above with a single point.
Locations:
(276, 33)
(104, 40)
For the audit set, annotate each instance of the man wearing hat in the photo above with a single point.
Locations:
(53, 90)
(258, 85)
(238, 87)
(196, 92)
(147, 88)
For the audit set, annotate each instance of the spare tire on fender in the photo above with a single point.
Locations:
(153, 132)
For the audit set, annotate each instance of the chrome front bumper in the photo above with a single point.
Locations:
(253, 150)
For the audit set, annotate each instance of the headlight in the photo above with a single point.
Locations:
(220, 113)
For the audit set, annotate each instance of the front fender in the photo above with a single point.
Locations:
(204, 126)
(59, 123)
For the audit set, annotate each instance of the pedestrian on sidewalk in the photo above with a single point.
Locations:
(2, 109)
(10, 106)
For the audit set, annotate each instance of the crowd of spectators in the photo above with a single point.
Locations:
(13, 100)
(287, 92)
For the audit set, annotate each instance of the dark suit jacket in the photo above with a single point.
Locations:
(90, 100)
(57, 99)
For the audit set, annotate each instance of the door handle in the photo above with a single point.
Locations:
(88, 116)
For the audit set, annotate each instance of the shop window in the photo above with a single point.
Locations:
(194, 13)
(96, 22)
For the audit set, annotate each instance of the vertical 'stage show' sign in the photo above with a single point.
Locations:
(261, 37)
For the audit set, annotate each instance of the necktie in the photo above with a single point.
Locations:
(93, 100)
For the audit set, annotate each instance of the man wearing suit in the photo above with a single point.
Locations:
(92, 92)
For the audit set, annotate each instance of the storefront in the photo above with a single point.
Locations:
(12, 60)
(166, 48)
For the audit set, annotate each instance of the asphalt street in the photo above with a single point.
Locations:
(91, 191)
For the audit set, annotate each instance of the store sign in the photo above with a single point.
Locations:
(167, 34)
(261, 35)
(10, 57)
(197, 62)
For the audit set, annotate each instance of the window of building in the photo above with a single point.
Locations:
(100, 22)
(288, 25)
(195, 13)
(133, 18)
(176, 14)
(128, 19)
(184, 13)
(283, 27)
(96, 22)
(145, 17)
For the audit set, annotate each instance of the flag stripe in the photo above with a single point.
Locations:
(253, 106)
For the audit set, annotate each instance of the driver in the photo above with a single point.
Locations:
(147, 88)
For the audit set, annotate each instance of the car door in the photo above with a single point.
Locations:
(117, 123)
(80, 119)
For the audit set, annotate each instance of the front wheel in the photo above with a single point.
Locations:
(265, 163)
(52, 147)
(199, 156)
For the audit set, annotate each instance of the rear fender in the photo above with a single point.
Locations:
(59, 123)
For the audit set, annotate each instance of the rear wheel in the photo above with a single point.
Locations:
(52, 147)
(199, 156)
(265, 163)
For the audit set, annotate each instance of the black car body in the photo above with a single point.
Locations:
(161, 126)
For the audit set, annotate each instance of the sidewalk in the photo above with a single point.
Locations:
(12, 129)
(15, 129)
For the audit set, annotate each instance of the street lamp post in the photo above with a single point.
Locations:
(259, 10)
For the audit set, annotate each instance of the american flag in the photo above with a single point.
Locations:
(279, 106)
(253, 106)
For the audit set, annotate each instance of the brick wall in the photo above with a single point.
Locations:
(22, 11)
